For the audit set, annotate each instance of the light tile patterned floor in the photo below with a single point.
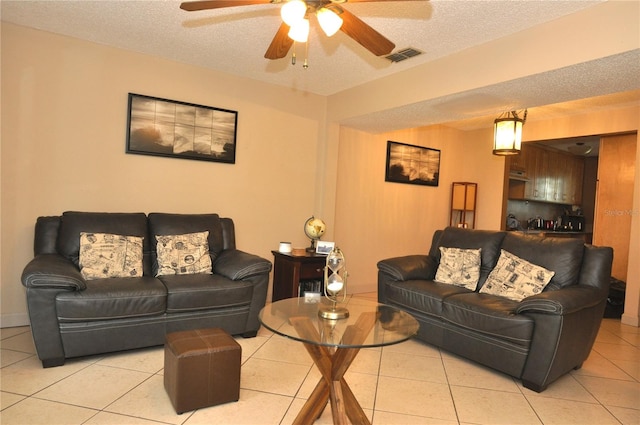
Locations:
(408, 383)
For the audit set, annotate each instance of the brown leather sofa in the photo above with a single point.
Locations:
(72, 317)
(538, 339)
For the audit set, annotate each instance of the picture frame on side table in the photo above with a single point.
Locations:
(412, 164)
(170, 128)
(324, 247)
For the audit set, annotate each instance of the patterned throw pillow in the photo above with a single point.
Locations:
(105, 255)
(515, 278)
(183, 254)
(459, 267)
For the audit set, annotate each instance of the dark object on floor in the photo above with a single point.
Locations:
(615, 300)
(201, 368)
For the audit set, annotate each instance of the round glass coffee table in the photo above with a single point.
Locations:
(334, 344)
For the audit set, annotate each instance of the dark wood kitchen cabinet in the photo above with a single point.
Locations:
(289, 271)
(548, 176)
(538, 161)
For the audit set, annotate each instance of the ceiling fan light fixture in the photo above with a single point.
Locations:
(299, 31)
(329, 21)
(293, 12)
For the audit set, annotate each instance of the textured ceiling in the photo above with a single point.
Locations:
(234, 40)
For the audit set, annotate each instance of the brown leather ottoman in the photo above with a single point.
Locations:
(201, 368)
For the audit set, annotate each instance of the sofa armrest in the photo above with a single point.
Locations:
(409, 267)
(52, 271)
(563, 301)
(238, 265)
(566, 323)
(46, 276)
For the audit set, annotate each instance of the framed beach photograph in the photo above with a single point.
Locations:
(412, 164)
(170, 128)
(324, 247)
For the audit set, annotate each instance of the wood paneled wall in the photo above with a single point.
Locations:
(614, 198)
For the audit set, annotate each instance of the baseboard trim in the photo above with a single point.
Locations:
(628, 319)
(14, 320)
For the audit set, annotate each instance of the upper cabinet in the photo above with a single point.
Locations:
(546, 175)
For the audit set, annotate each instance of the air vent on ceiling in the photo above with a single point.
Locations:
(403, 54)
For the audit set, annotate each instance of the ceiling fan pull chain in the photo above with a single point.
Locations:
(305, 65)
(293, 55)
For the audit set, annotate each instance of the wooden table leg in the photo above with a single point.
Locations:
(333, 366)
(314, 406)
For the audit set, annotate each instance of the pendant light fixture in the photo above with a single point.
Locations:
(507, 133)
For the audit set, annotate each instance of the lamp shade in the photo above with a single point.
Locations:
(507, 136)
(293, 11)
(329, 21)
(300, 31)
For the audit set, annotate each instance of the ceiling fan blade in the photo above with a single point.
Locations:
(361, 32)
(363, 1)
(280, 44)
(192, 6)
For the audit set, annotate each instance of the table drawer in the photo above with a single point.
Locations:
(312, 271)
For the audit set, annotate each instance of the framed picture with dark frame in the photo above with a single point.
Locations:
(170, 128)
(412, 164)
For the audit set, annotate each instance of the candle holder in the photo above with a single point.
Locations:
(335, 286)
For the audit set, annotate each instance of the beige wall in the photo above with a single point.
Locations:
(377, 219)
(64, 112)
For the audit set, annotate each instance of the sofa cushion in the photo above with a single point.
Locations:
(424, 296)
(183, 254)
(178, 224)
(113, 298)
(73, 223)
(515, 278)
(488, 241)
(104, 255)
(563, 256)
(205, 291)
(490, 315)
(459, 267)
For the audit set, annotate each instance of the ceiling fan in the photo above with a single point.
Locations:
(329, 13)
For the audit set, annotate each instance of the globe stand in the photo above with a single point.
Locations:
(312, 247)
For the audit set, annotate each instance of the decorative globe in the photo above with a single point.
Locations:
(314, 228)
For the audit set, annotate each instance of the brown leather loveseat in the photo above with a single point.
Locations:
(77, 307)
(538, 338)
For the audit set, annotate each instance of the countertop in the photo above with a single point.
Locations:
(586, 236)
(551, 232)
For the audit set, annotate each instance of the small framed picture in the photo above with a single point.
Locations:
(323, 247)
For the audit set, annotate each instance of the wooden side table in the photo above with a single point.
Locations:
(289, 270)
